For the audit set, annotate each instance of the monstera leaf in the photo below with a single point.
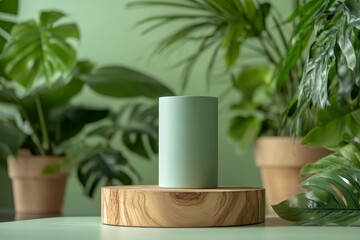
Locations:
(334, 191)
(333, 198)
(104, 165)
(67, 121)
(137, 126)
(142, 130)
(40, 52)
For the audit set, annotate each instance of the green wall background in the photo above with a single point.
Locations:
(108, 36)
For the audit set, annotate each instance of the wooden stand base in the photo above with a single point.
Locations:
(151, 206)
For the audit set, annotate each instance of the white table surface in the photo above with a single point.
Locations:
(90, 228)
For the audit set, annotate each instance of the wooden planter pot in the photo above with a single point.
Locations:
(280, 160)
(36, 193)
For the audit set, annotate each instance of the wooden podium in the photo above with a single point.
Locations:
(151, 206)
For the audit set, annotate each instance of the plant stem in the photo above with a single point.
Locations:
(267, 52)
(25, 116)
(274, 44)
(46, 142)
(281, 32)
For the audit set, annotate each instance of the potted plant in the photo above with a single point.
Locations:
(40, 78)
(329, 85)
(228, 27)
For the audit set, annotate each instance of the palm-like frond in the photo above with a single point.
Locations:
(210, 24)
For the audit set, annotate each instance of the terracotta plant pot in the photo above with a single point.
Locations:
(280, 160)
(35, 192)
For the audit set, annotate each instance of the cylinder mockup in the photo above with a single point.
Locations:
(188, 142)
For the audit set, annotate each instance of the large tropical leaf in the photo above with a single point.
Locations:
(137, 125)
(104, 165)
(119, 81)
(334, 190)
(8, 11)
(67, 121)
(58, 94)
(334, 197)
(40, 52)
(140, 132)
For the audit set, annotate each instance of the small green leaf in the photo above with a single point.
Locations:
(52, 168)
(250, 79)
(193, 5)
(244, 130)
(292, 107)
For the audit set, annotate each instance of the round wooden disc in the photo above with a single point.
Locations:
(151, 206)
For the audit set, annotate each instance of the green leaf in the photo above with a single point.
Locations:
(232, 53)
(250, 79)
(345, 157)
(292, 107)
(244, 130)
(11, 139)
(308, 17)
(121, 82)
(54, 96)
(332, 57)
(293, 55)
(137, 126)
(40, 53)
(333, 198)
(329, 163)
(52, 168)
(106, 165)
(337, 125)
(67, 121)
(8, 8)
(190, 5)
(8, 95)
(140, 131)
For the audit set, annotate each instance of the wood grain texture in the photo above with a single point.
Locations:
(151, 206)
